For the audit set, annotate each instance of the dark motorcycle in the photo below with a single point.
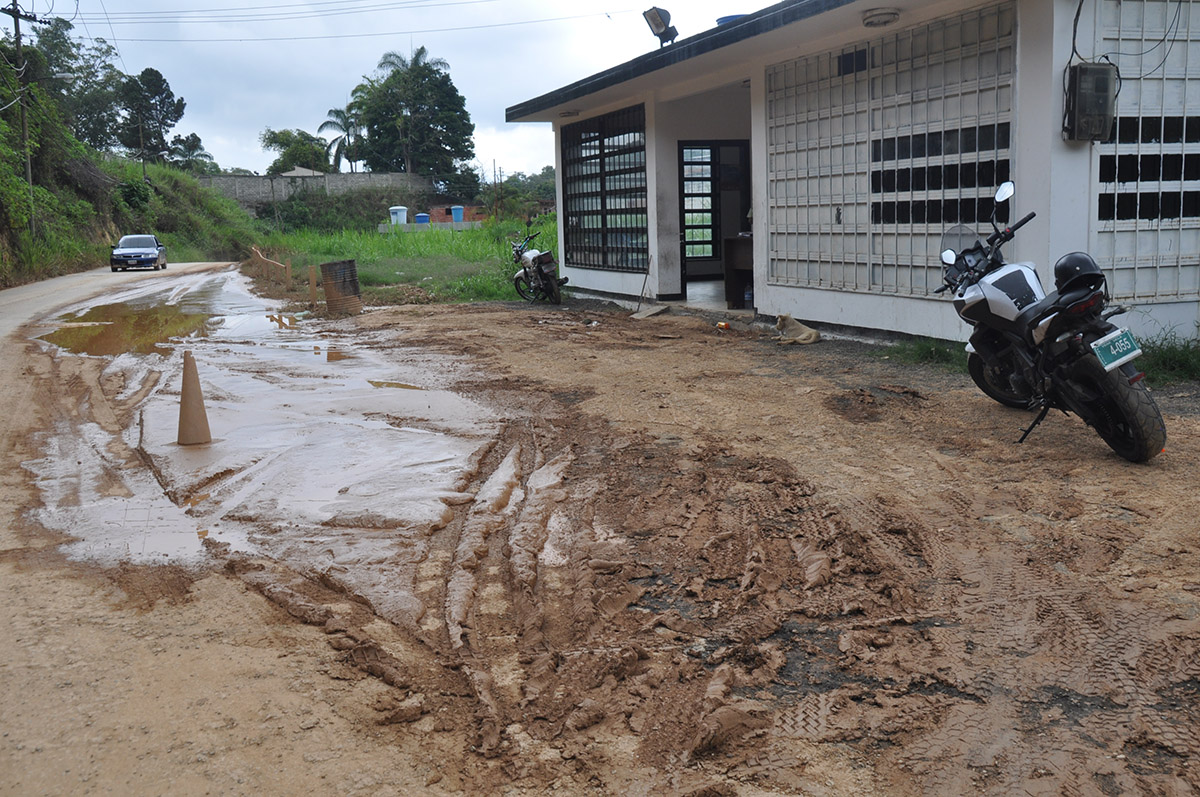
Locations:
(538, 277)
(1037, 352)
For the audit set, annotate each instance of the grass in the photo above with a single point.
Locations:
(433, 265)
(948, 354)
(1168, 359)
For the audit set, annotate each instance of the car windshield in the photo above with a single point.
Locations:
(137, 242)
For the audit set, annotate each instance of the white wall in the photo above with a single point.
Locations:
(722, 113)
(1054, 178)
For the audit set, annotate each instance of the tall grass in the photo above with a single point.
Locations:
(443, 265)
(1168, 358)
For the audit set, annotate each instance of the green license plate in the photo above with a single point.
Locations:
(1116, 348)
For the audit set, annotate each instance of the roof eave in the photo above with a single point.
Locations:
(746, 27)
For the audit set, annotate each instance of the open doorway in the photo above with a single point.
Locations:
(714, 202)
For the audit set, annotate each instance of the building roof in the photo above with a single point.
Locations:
(745, 27)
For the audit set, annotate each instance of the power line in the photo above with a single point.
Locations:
(278, 7)
(490, 26)
(289, 12)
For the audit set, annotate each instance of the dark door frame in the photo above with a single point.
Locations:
(718, 177)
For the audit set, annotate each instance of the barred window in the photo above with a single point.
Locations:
(1146, 204)
(872, 151)
(604, 190)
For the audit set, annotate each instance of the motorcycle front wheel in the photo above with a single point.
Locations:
(523, 288)
(1123, 414)
(995, 384)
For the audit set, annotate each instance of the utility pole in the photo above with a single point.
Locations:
(17, 16)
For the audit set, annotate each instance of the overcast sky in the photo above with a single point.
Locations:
(246, 65)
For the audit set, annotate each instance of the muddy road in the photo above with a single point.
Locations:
(514, 549)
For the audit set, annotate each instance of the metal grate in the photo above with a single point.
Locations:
(604, 189)
(700, 177)
(874, 150)
(1147, 208)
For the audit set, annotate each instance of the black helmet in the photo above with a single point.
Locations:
(1077, 270)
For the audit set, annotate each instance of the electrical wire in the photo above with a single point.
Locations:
(281, 7)
(328, 36)
(1167, 34)
(198, 17)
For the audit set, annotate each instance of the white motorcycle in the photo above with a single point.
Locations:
(1040, 352)
(538, 277)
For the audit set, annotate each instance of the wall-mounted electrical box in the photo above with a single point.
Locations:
(1091, 102)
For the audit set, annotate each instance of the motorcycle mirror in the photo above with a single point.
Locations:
(1005, 191)
(948, 257)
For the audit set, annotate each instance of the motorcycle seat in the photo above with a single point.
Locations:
(1055, 302)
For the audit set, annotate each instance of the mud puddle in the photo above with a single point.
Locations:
(630, 577)
(325, 454)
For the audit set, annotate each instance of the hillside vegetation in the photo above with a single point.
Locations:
(84, 202)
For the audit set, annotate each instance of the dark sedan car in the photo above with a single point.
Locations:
(138, 251)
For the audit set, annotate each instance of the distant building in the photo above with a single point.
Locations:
(301, 171)
(825, 146)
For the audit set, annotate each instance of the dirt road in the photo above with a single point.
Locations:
(687, 561)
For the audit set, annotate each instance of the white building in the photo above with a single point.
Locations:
(828, 144)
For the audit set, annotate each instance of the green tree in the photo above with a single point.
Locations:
(150, 110)
(344, 122)
(463, 186)
(295, 148)
(538, 186)
(414, 118)
(88, 98)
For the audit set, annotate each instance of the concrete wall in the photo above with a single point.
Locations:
(720, 114)
(249, 191)
(1055, 178)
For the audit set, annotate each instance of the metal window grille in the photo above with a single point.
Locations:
(1147, 208)
(700, 173)
(875, 149)
(604, 189)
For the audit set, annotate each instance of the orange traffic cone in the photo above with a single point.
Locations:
(193, 421)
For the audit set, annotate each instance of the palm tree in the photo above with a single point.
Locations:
(393, 61)
(188, 153)
(344, 122)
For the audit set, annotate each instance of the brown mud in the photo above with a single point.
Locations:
(691, 562)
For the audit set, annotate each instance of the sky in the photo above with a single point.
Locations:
(245, 65)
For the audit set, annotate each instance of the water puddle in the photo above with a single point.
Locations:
(112, 329)
(343, 460)
(397, 385)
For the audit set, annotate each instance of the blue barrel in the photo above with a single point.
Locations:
(422, 218)
(456, 212)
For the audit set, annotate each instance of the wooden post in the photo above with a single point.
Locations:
(287, 274)
(312, 285)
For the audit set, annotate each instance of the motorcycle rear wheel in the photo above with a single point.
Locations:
(550, 284)
(992, 381)
(1124, 415)
(524, 288)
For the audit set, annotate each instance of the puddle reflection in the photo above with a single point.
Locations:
(399, 385)
(114, 329)
(306, 452)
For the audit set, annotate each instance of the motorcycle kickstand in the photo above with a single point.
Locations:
(1041, 417)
